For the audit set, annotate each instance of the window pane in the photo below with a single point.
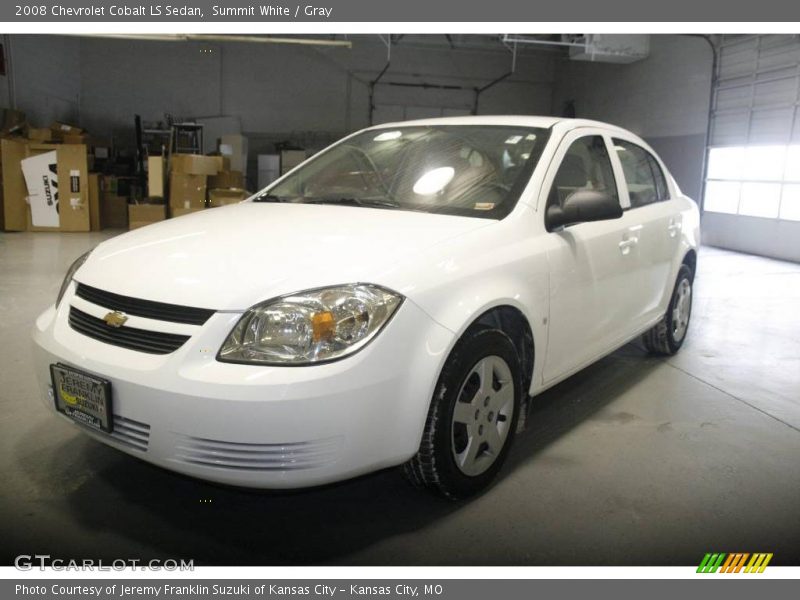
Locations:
(760, 200)
(469, 170)
(725, 163)
(790, 203)
(661, 182)
(642, 187)
(764, 163)
(722, 196)
(792, 172)
(585, 166)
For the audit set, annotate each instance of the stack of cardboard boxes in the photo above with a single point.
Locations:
(196, 182)
(46, 183)
(45, 186)
(153, 208)
(226, 187)
(188, 181)
(113, 203)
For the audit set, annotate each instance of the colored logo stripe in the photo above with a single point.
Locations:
(711, 563)
(759, 561)
(734, 562)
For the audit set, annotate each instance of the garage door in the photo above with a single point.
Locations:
(752, 190)
(389, 113)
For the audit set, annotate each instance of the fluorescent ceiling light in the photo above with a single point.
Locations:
(388, 135)
(250, 39)
(434, 181)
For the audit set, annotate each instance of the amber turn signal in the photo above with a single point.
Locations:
(323, 326)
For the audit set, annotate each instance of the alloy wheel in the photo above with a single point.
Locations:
(682, 307)
(482, 415)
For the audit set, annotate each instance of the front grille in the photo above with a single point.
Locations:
(152, 342)
(131, 433)
(258, 457)
(144, 308)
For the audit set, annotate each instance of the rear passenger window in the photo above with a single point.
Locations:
(585, 166)
(643, 174)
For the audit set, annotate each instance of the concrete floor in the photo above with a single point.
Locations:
(634, 461)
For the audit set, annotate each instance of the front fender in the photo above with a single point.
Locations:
(465, 284)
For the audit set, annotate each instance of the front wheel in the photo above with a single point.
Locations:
(667, 336)
(472, 418)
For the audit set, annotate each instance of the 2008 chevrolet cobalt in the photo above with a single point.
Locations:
(395, 300)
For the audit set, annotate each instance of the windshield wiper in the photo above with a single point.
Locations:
(367, 202)
(270, 198)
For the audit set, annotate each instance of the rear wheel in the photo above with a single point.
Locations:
(667, 336)
(472, 418)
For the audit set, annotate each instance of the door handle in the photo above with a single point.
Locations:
(674, 227)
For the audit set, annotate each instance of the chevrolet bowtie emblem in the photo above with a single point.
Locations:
(115, 319)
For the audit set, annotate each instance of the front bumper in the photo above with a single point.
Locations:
(257, 426)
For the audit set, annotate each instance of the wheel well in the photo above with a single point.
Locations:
(513, 323)
(690, 260)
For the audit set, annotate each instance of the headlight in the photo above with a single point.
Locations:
(68, 277)
(310, 327)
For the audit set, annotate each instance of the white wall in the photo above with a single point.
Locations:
(306, 94)
(663, 98)
(119, 79)
(284, 89)
(754, 235)
(43, 77)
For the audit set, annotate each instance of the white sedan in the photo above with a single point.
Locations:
(395, 300)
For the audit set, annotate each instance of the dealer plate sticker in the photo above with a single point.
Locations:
(82, 397)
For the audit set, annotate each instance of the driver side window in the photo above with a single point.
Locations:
(585, 166)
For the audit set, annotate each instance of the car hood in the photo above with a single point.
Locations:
(232, 257)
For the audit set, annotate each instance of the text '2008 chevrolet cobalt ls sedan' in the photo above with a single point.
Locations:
(395, 300)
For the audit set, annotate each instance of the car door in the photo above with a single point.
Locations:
(595, 267)
(651, 207)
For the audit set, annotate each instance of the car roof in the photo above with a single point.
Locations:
(508, 120)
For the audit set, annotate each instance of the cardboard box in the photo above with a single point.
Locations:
(113, 207)
(179, 212)
(290, 159)
(226, 179)
(113, 212)
(40, 134)
(68, 176)
(140, 215)
(196, 164)
(41, 178)
(15, 192)
(76, 138)
(224, 197)
(234, 147)
(13, 122)
(58, 130)
(72, 171)
(156, 171)
(94, 202)
(186, 191)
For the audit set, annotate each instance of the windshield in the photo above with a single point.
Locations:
(469, 170)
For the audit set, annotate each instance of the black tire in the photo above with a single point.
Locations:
(434, 466)
(662, 339)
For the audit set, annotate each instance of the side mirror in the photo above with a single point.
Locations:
(582, 206)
